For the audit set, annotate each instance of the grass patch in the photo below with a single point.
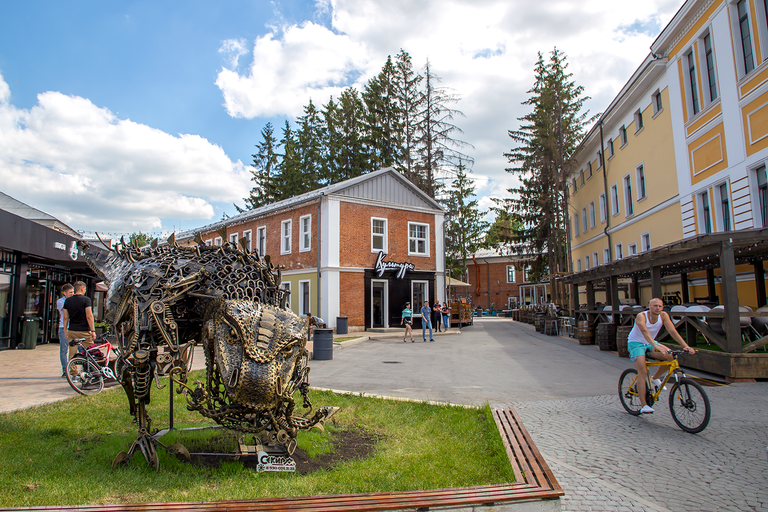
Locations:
(60, 453)
(346, 338)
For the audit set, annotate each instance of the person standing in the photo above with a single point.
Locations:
(426, 313)
(437, 315)
(446, 316)
(407, 319)
(78, 318)
(66, 292)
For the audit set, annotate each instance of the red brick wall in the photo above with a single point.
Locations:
(352, 297)
(499, 291)
(355, 236)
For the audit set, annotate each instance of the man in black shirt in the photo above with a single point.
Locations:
(78, 318)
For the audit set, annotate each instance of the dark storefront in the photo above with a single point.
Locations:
(35, 261)
(386, 295)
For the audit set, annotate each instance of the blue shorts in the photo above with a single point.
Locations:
(638, 349)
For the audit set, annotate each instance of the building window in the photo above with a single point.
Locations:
(584, 226)
(725, 207)
(217, 241)
(640, 172)
(248, 241)
(595, 261)
(578, 265)
(305, 225)
(586, 262)
(614, 199)
(592, 221)
(632, 249)
(589, 169)
(619, 251)
(286, 285)
(510, 273)
(209, 242)
(526, 273)
(656, 102)
(705, 213)
(261, 240)
(285, 236)
(623, 135)
(582, 175)
(747, 62)
(645, 240)
(693, 96)
(762, 194)
(418, 239)
(709, 58)
(606, 256)
(304, 298)
(419, 293)
(600, 162)
(603, 209)
(610, 149)
(233, 239)
(638, 121)
(575, 187)
(576, 223)
(378, 235)
(628, 207)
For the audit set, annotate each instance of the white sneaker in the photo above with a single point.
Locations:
(657, 383)
(646, 410)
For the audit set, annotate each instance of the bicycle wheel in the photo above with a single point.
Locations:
(84, 376)
(689, 406)
(628, 393)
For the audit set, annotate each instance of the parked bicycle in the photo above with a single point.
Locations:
(688, 402)
(88, 368)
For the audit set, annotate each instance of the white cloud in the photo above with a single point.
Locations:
(82, 164)
(484, 49)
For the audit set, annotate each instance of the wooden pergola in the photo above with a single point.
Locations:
(701, 253)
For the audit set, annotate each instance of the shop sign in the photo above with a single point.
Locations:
(275, 463)
(60, 246)
(73, 252)
(383, 266)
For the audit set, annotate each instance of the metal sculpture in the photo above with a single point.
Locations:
(162, 299)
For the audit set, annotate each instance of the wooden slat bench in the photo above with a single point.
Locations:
(534, 481)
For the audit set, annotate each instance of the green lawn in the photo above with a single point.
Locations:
(60, 454)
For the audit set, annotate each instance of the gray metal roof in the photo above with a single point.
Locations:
(23, 210)
(385, 185)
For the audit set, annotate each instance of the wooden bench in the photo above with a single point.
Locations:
(534, 481)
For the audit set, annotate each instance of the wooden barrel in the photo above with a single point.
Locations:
(586, 333)
(622, 333)
(550, 325)
(606, 336)
(538, 322)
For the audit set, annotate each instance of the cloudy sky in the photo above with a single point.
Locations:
(142, 116)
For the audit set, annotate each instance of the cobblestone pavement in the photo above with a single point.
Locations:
(606, 459)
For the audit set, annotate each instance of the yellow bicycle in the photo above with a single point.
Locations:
(688, 402)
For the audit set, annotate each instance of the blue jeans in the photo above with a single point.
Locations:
(424, 325)
(447, 321)
(63, 349)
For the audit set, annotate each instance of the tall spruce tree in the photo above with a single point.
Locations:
(264, 167)
(310, 148)
(465, 231)
(290, 174)
(544, 156)
(407, 99)
(381, 118)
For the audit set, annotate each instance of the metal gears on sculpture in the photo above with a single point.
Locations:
(163, 299)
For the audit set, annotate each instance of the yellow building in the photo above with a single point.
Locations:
(682, 149)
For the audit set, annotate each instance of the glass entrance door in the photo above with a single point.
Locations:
(379, 304)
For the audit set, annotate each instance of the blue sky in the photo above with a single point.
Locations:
(127, 116)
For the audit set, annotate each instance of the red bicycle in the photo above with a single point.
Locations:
(88, 368)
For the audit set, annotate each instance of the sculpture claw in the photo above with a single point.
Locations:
(120, 458)
(179, 449)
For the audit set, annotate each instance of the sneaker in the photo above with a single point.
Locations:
(657, 383)
(75, 379)
(646, 410)
(431, 340)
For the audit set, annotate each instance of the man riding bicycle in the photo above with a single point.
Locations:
(641, 342)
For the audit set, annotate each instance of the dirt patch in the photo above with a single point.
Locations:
(349, 444)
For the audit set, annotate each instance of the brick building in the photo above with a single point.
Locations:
(502, 281)
(359, 249)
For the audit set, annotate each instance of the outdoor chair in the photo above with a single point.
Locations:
(566, 326)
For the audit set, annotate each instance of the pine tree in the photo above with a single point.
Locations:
(381, 119)
(407, 99)
(264, 167)
(465, 231)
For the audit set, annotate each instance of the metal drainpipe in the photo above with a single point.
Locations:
(605, 190)
(319, 248)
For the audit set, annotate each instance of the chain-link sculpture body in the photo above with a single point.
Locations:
(164, 299)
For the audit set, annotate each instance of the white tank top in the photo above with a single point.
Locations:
(636, 335)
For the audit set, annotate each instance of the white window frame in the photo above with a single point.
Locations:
(595, 260)
(526, 273)
(582, 175)
(603, 209)
(614, 200)
(629, 209)
(217, 241)
(600, 161)
(233, 239)
(645, 241)
(611, 151)
(623, 136)
(704, 67)
(606, 256)
(619, 251)
(640, 179)
(384, 237)
(592, 216)
(632, 249)
(704, 206)
(286, 236)
(658, 106)
(416, 239)
(586, 262)
(512, 273)
(589, 169)
(305, 236)
(578, 226)
(584, 220)
(305, 308)
(692, 100)
(209, 242)
(419, 303)
(248, 235)
(286, 285)
(759, 201)
(261, 236)
(738, 49)
(578, 265)
(638, 116)
(719, 207)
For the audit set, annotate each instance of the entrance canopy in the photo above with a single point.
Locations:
(455, 282)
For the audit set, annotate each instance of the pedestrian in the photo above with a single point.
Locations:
(426, 313)
(78, 318)
(446, 316)
(314, 322)
(66, 292)
(437, 315)
(407, 320)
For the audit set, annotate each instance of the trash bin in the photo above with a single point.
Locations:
(29, 331)
(323, 344)
(342, 325)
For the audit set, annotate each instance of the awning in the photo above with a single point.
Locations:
(456, 282)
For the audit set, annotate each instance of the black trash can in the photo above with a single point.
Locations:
(323, 344)
(342, 325)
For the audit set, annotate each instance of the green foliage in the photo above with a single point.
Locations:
(139, 239)
(464, 232)
(52, 453)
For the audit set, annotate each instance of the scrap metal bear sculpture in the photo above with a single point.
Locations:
(162, 299)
